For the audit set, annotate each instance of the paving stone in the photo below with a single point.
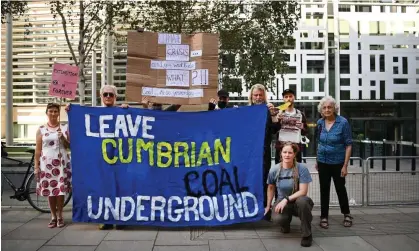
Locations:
(288, 244)
(212, 235)
(23, 216)
(21, 245)
(236, 245)
(414, 236)
(181, 248)
(125, 245)
(375, 211)
(67, 248)
(177, 238)
(34, 230)
(78, 238)
(231, 234)
(392, 242)
(407, 210)
(348, 243)
(7, 227)
(398, 228)
(131, 235)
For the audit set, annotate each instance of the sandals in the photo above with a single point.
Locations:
(324, 223)
(60, 223)
(52, 223)
(347, 220)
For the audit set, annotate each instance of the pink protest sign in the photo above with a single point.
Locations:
(64, 81)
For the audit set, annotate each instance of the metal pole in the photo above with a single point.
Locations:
(109, 59)
(94, 79)
(103, 62)
(337, 52)
(9, 80)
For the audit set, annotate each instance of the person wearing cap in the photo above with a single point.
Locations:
(223, 98)
(288, 95)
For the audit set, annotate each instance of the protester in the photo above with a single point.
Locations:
(258, 96)
(291, 180)
(333, 154)
(108, 95)
(288, 95)
(156, 106)
(222, 102)
(52, 164)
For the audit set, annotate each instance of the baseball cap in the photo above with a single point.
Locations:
(286, 91)
(223, 93)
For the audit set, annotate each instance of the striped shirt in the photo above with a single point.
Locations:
(332, 144)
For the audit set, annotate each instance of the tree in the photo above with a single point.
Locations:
(16, 8)
(250, 41)
(94, 19)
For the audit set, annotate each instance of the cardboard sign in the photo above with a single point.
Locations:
(172, 68)
(64, 81)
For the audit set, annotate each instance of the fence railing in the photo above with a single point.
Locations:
(391, 187)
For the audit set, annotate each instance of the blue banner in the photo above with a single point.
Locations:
(143, 167)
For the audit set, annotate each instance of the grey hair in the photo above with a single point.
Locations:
(110, 86)
(257, 87)
(326, 100)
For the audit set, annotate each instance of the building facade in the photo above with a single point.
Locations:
(363, 53)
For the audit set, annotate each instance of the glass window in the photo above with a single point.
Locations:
(307, 84)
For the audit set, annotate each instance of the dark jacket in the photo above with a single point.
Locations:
(212, 106)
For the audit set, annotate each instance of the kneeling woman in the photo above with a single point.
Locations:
(291, 180)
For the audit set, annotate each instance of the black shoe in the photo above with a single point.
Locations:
(105, 226)
(119, 227)
(268, 216)
(307, 241)
(285, 230)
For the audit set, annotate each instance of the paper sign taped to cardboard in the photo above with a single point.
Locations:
(200, 77)
(196, 53)
(171, 65)
(177, 78)
(177, 52)
(172, 93)
(64, 81)
(167, 38)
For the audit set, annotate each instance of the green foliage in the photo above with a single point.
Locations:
(252, 35)
(16, 8)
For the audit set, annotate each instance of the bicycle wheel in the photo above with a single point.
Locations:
(40, 203)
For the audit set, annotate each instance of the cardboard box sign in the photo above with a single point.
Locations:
(172, 68)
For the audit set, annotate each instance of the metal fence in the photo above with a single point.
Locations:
(354, 186)
(398, 187)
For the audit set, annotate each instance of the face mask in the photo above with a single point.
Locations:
(222, 104)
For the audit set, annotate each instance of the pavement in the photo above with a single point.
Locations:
(384, 229)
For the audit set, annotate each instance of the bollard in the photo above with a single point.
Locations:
(383, 161)
(371, 154)
(413, 159)
(397, 154)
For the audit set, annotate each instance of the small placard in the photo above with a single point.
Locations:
(64, 81)
(200, 77)
(176, 52)
(165, 38)
(177, 78)
(172, 65)
(196, 53)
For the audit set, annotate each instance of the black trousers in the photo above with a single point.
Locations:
(326, 173)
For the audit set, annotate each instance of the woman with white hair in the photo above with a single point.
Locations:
(333, 153)
(258, 96)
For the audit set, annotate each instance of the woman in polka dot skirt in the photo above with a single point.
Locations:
(53, 168)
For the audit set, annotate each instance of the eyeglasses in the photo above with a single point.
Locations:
(108, 94)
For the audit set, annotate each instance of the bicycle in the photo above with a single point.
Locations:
(27, 191)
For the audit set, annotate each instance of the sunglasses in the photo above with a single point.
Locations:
(108, 94)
